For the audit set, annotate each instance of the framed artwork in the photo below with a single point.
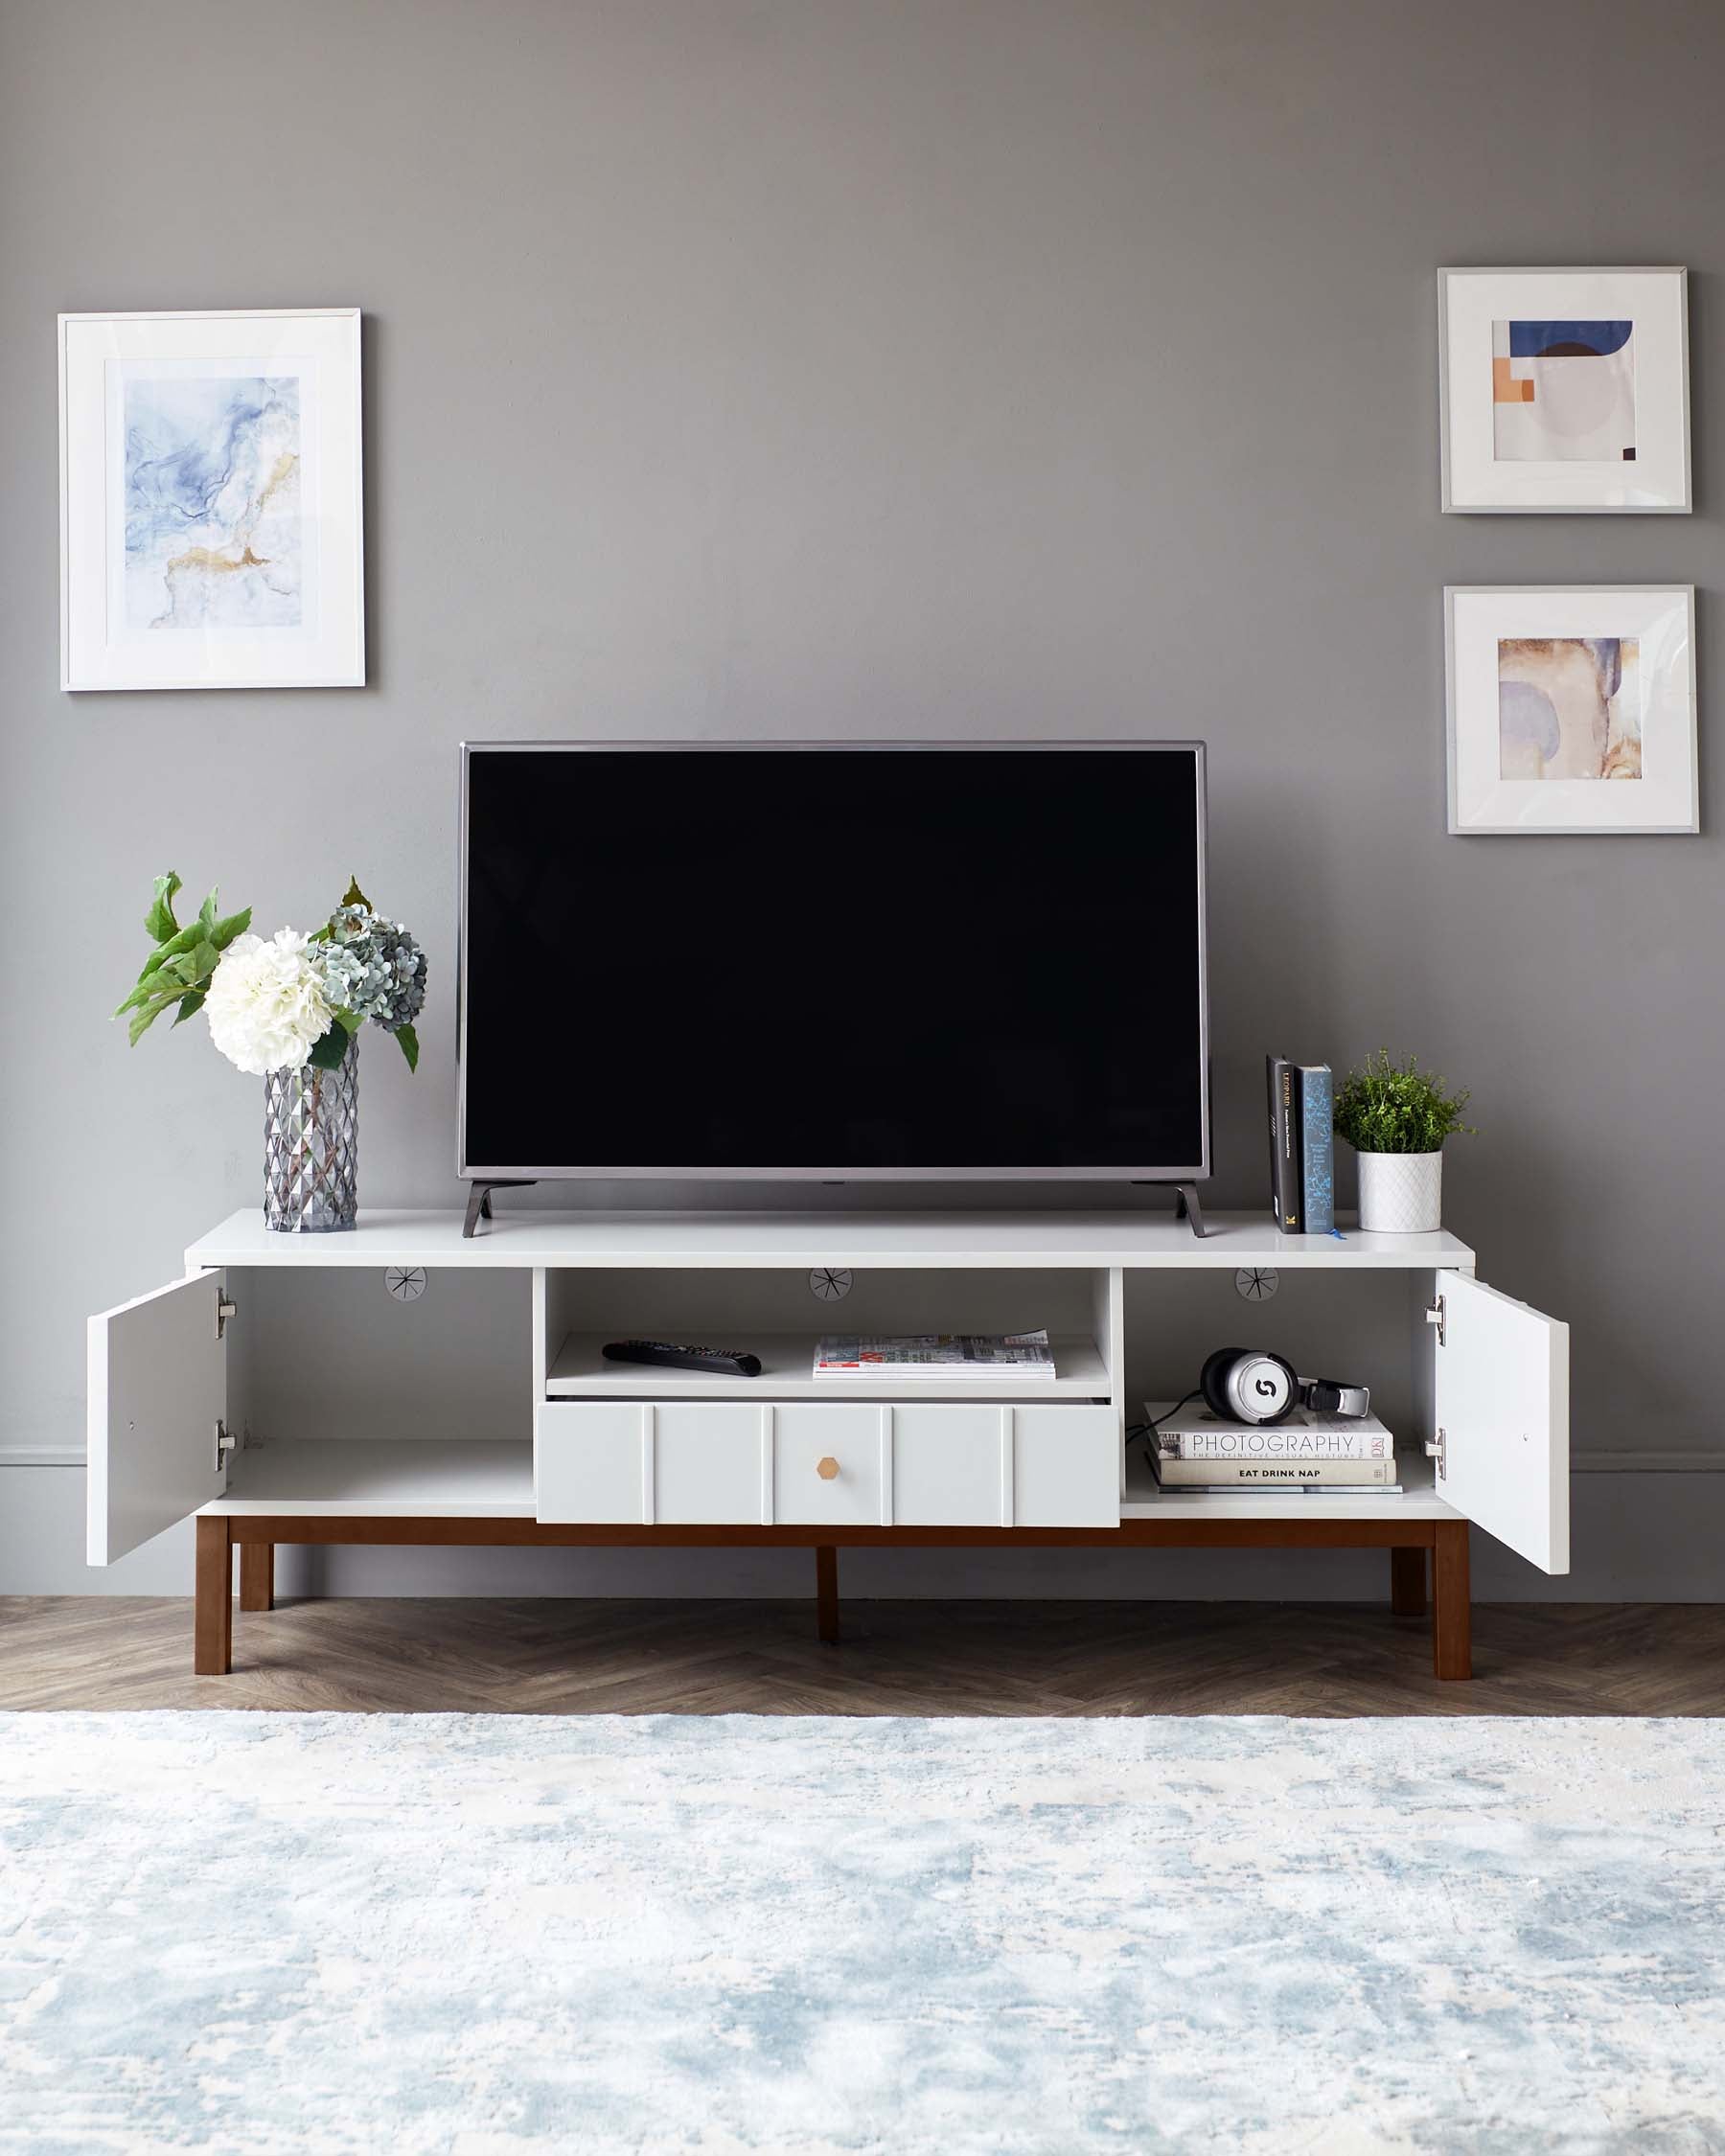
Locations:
(210, 510)
(1564, 391)
(1572, 708)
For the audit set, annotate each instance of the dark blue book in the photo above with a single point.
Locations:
(1317, 1148)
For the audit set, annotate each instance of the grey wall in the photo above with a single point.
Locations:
(818, 367)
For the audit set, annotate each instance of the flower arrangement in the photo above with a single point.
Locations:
(1386, 1107)
(293, 1000)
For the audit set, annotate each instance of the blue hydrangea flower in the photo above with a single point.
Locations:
(373, 968)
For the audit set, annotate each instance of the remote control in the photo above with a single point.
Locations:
(726, 1359)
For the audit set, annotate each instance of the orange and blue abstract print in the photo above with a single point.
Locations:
(1568, 707)
(1563, 392)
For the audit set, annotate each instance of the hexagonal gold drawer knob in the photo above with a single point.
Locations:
(826, 1468)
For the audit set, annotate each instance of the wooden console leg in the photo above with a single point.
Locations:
(1452, 1649)
(257, 1575)
(1407, 1582)
(826, 1592)
(213, 1605)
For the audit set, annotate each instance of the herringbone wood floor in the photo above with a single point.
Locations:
(897, 1657)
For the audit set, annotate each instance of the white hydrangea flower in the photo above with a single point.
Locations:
(266, 1004)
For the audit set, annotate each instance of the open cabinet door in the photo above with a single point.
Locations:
(1500, 1401)
(157, 1390)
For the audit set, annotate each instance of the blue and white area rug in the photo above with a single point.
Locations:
(493, 1935)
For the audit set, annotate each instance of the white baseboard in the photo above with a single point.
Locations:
(1690, 1460)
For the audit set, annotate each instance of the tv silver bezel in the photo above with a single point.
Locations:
(1197, 1170)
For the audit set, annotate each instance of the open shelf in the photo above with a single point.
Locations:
(580, 1371)
(1145, 1500)
(382, 1478)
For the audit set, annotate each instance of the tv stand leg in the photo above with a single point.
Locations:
(1452, 1649)
(1186, 1202)
(213, 1598)
(826, 1594)
(1408, 1582)
(1188, 1208)
(479, 1201)
(257, 1575)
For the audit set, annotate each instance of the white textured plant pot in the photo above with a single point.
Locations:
(1401, 1193)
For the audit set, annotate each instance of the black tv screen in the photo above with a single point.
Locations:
(885, 962)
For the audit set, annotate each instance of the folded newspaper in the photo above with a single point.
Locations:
(982, 1356)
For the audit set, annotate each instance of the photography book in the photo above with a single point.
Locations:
(1173, 1472)
(982, 1357)
(1195, 1433)
(1305, 1486)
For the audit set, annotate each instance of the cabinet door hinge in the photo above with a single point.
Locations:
(224, 1310)
(226, 1441)
(1436, 1315)
(1438, 1449)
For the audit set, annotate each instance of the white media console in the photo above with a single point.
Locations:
(283, 1397)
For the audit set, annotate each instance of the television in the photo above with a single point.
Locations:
(884, 963)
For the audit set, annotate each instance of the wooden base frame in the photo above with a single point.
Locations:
(254, 1536)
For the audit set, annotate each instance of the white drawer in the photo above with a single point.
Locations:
(826, 1464)
(592, 1460)
(954, 1465)
(934, 1463)
(948, 1465)
(668, 1462)
(1065, 1467)
(712, 1461)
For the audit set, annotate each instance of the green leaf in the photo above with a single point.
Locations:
(159, 923)
(172, 971)
(198, 964)
(178, 974)
(326, 1053)
(183, 939)
(178, 968)
(355, 896)
(351, 1020)
(409, 1041)
(142, 1020)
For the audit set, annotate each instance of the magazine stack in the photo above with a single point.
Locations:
(980, 1357)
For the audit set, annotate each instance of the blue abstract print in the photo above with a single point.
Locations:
(213, 515)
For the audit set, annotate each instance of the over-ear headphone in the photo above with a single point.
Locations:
(1251, 1385)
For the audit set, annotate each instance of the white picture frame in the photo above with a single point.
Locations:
(1572, 709)
(1615, 420)
(212, 499)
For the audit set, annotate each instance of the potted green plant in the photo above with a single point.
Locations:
(1396, 1117)
(290, 1011)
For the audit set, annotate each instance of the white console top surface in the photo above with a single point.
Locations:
(643, 1240)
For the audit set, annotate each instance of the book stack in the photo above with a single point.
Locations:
(1191, 1450)
(985, 1358)
(1303, 1178)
